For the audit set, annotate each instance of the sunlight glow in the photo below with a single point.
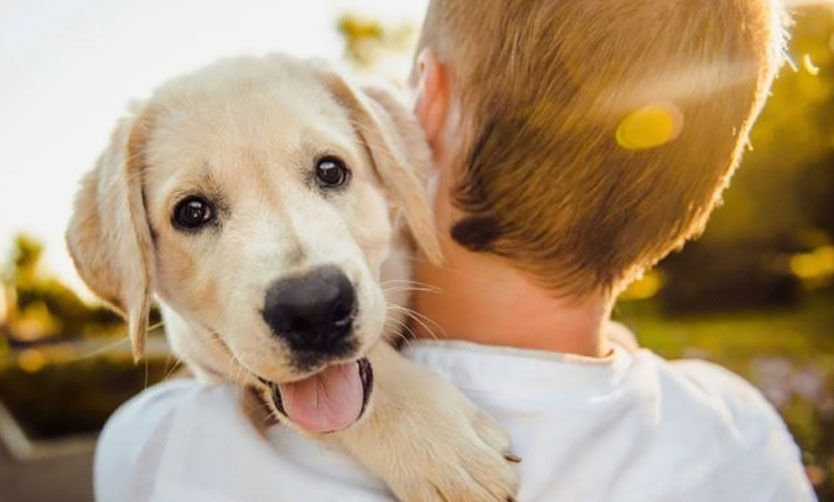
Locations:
(693, 83)
(5, 302)
(807, 3)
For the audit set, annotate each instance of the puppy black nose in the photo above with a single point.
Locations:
(313, 312)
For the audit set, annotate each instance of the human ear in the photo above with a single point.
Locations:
(432, 97)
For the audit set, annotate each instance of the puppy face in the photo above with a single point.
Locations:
(251, 193)
(260, 194)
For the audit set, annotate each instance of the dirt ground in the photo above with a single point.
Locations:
(66, 477)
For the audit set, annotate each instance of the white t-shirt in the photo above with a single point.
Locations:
(630, 427)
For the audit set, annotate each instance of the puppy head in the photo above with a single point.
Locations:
(257, 198)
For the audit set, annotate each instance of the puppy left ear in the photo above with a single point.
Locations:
(108, 235)
(399, 151)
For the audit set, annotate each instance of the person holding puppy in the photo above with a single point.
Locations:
(577, 143)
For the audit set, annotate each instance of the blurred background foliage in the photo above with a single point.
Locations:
(755, 293)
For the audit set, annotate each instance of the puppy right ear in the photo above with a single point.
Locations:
(108, 235)
(399, 152)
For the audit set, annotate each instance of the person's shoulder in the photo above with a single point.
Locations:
(165, 398)
(154, 408)
(745, 449)
(136, 437)
(728, 394)
(177, 440)
(712, 390)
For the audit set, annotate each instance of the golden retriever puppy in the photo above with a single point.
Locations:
(265, 201)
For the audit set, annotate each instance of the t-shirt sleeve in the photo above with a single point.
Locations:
(130, 447)
(182, 441)
(770, 467)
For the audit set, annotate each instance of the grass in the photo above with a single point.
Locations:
(804, 334)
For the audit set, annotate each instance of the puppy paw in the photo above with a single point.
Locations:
(457, 454)
(429, 443)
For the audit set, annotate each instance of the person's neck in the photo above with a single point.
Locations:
(479, 298)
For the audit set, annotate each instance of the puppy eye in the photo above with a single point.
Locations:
(331, 172)
(192, 213)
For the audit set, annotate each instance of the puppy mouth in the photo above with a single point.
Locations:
(329, 400)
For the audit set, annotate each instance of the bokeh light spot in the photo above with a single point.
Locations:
(31, 360)
(819, 263)
(645, 287)
(809, 65)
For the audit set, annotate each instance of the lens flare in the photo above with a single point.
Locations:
(650, 127)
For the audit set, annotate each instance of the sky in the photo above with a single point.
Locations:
(69, 68)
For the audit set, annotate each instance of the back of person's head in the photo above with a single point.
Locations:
(598, 134)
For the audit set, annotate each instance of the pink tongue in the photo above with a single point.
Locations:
(328, 401)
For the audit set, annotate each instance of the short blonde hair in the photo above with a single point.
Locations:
(542, 87)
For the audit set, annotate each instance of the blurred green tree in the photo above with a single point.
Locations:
(371, 45)
(40, 307)
(781, 200)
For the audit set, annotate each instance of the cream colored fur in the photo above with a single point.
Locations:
(248, 131)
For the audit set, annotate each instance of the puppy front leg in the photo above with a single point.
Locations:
(426, 440)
